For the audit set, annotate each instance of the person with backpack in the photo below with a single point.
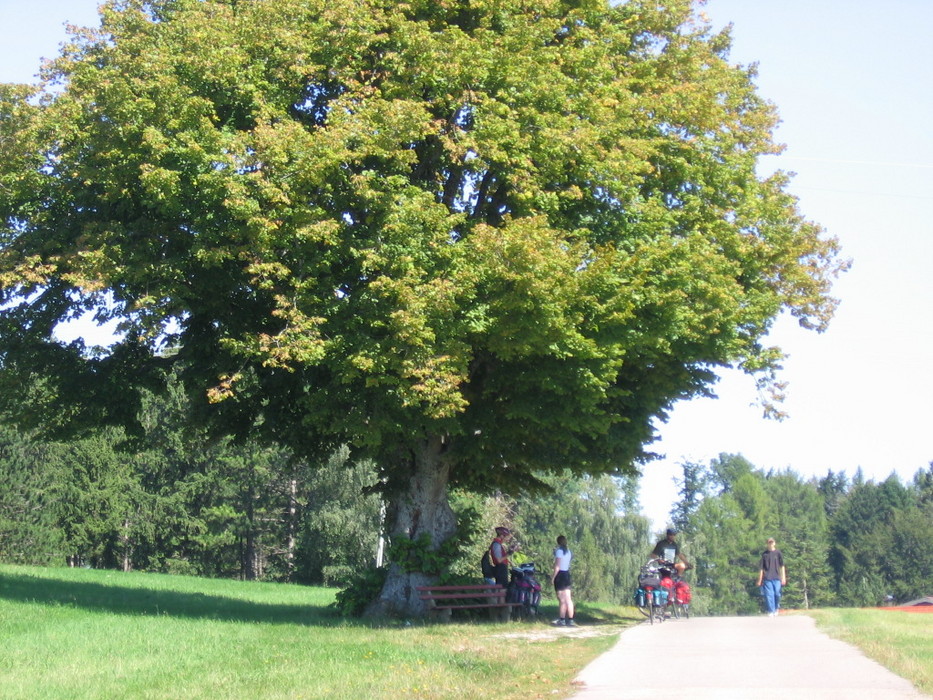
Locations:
(561, 580)
(771, 576)
(499, 552)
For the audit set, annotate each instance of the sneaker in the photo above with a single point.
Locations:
(559, 622)
(569, 622)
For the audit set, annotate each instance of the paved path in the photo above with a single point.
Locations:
(737, 658)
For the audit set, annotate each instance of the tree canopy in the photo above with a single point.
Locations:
(470, 239)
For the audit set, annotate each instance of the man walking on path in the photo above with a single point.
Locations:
(737, 658)
(771, 577)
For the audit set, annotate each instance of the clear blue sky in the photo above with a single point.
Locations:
(851, 81)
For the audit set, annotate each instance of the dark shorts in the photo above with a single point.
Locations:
(502, 574)
(562, 581)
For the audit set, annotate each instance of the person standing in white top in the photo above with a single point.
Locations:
(561, 580)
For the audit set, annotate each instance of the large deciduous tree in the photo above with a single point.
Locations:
(469, 238)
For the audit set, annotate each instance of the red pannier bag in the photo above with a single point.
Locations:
(682, 592)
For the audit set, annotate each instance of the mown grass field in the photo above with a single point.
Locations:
(73, 633)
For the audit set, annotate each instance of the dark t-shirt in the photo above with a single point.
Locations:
(771, 563)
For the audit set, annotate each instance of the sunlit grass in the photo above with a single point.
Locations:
(67, 633)
(73, 633)
(900, 641)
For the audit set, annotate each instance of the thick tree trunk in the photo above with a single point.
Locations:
(421, 507)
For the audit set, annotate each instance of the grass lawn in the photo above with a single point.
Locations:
(74, 633)
(898, 640)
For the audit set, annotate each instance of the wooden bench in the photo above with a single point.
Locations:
(444, 599)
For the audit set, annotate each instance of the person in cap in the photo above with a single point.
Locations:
(499, 552)
(668, 550)
(771, 577)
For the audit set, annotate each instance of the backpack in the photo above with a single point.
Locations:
(650, 580)
(485, 565)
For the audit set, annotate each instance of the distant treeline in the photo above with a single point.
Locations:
(845, 541)
(172, 500)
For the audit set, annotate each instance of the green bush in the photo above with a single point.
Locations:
(361, 590)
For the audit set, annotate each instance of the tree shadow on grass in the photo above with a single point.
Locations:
(125, 600)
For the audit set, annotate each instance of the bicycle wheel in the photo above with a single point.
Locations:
(659, 612)
(657, 609)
